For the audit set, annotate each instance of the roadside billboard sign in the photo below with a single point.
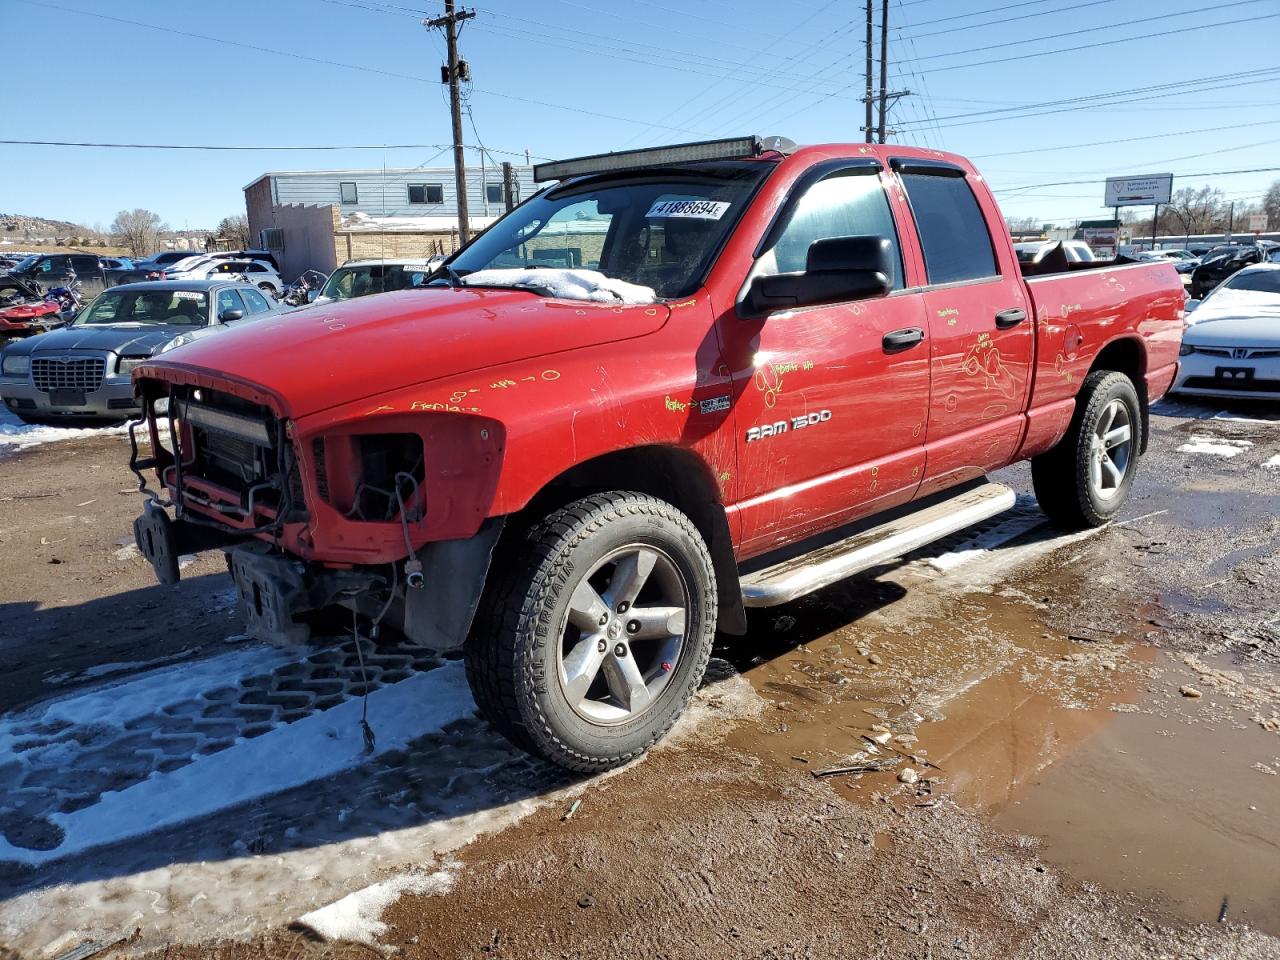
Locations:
(1257, 222)
(1144, 191)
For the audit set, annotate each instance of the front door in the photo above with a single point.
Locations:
(981, 328)
(831, 409)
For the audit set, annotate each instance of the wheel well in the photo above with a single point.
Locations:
(679, 477)
(1127, 356)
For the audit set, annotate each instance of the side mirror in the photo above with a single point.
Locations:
(837, 269)
(312, 294)
(1190, 305)
(229, 316)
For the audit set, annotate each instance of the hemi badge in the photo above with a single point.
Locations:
(714, 404)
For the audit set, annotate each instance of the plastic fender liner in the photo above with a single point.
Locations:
(439, 613)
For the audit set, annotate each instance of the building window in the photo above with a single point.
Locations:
(426, 193)
(348, 191)
(271, 238)
(493, 192)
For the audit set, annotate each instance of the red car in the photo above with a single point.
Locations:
(23, 309)
(675, 384)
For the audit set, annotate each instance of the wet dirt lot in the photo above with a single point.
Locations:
(1015, 743)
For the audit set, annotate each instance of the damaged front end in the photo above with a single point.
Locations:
(306, 523)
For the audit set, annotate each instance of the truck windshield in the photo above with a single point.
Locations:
(660, 229)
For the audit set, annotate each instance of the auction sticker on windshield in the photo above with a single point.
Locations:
(693, 209)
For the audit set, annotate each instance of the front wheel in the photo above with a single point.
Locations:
(1085, 479)
(595, 630)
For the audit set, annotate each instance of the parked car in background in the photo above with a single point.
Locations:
(24, 309)
(82, 371)
(157, 262)
(360, 278)
(115, 263)
(261, 275)
(1231, 347)
(51, 270)
(1222, 261)
(1033, 251)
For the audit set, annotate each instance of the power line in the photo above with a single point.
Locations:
(1122, 140)
(1110, 26)
(1077, 183)
(254, 147)
(1103, 43)
(349, 66)
(1085, 103)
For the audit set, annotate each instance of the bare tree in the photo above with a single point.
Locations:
(138, 230)
(1271, 203)
(235, 228)
(1199, 211)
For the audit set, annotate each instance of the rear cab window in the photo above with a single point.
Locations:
(953, 232)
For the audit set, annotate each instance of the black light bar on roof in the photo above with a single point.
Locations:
(728, 149)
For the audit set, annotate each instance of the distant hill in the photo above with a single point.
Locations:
(14, 225)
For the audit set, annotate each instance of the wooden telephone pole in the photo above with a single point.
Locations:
(448, 25)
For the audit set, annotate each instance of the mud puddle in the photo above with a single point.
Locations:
(1081, 739)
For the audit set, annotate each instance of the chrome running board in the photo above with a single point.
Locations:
(794, 578)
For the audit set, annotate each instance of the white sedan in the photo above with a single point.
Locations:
(1231, 347)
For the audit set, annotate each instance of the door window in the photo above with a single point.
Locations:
(850, 203)
(255, 301)
(228, 299)
(953, 231)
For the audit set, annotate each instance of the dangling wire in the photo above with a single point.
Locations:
(369, 739)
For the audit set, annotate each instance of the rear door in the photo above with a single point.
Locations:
(980, 324)
(88, 271)
(830, 415)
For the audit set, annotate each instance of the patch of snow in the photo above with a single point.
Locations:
(360, 222)
(1216, 446)
(113, 705)
(292, 755)
(128, 552)
(203, 894)
(358, 916)
(572, 284)
(1273, 463)
(1023, 517)
(15, 434)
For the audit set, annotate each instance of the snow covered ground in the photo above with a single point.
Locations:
(16, 435)
(220, 797)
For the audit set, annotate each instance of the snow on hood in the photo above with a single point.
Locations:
(565, 284)
(1236, 318)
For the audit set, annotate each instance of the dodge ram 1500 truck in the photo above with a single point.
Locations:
(674, 384)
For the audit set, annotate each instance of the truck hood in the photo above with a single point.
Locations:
(333, 353)
(136, 339)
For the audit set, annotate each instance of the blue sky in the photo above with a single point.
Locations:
(567, 77)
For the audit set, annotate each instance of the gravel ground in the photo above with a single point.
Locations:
(1066, 797)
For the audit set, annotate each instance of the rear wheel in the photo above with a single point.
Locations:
(595, 631)
(1085, 479)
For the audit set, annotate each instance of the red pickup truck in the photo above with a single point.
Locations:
(674, 384)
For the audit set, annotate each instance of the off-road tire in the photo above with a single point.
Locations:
(1061, 476)
(513, 650)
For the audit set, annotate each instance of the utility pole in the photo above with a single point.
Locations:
(884, 71)
(448, 24)
(509, 185)
(868, 98)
